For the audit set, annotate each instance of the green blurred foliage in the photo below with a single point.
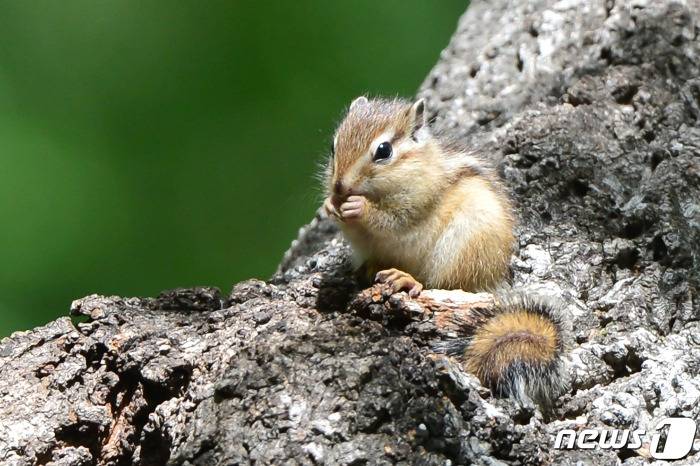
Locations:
(150, 145)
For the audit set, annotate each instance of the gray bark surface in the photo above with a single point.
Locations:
(591, 110)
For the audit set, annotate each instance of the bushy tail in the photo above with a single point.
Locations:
(516, 349)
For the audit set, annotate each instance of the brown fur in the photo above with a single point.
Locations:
(435, 213)
(482, 262)
(363, 124)
(508, 338)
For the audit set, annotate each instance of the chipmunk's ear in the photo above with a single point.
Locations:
(417, 117)
(362, 100)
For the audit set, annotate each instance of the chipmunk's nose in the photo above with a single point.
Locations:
(339, 188)
(340, 192)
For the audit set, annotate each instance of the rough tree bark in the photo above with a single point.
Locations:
(591, 109)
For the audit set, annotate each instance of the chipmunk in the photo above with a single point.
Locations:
(420, 211)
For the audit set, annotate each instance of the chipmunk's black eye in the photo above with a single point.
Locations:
(383, 151)
(332, 149)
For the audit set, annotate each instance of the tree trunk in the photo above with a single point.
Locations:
(591, 110)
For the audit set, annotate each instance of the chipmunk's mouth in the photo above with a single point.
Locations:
(336, 200)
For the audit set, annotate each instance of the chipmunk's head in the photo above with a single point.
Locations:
(378, 149)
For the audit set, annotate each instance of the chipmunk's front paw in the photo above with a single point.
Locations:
(353, 208)
(400, 281)
(330, 208)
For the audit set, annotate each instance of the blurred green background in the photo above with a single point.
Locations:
(151, 145)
